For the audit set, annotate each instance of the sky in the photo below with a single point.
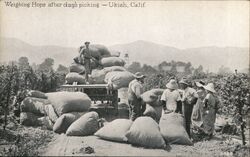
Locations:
(180, 24)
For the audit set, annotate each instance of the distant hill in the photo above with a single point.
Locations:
(210, 58)
(142, 51)
(12, 49)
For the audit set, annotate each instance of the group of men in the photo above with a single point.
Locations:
(174, 99)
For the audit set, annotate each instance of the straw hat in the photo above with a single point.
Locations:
(184, 81)
(87, 43)
(210, 87)
(139, 75)
(200, 84)
(172, 84)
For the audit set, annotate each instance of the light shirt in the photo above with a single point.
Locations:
(136, 87)
(189, 94)
(171, 98)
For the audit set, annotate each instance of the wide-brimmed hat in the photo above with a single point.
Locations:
(200, 84)
(210, 87)
(184, 81)
(139, 75)
(87, 43)
(172, 84)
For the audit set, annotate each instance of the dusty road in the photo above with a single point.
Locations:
(62, 145)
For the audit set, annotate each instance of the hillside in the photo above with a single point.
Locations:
(142, 51)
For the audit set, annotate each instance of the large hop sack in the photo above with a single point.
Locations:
(115, 130)
(36, 94)
(78, 68)
(145, 132)
(65, 120)
(98, 51)
(34, 105)
(74, 77)
(46, 123)
(153, 112)
(112, 61)
(119, 79)
(29, 119)
(173, 130)
(50, 112)
(98, 75)
(152, 96)
(64, 102)
(86, 125)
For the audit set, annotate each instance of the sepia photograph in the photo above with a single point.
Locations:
(124, 78)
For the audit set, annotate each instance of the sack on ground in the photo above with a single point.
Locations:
(46, 123)
(152, 96)
(119, 79)
(74, 77)
(98, 75)
(153, 112)
(50, 112)
(112, 61)
(65, 120)
(145, 132)
(64, 102)
(36, 94)
(29, 119)
(173, 130)
(78, 68)
(115, 130)
(34, 105)
(85, 125)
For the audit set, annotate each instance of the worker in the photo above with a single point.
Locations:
(189, 99)
(171, 99)
(85, 54)
(135, 89)
(211, 103)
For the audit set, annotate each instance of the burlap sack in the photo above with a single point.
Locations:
(115, 130)
(74, 77)
(30, 119)
(65, 120)
(34, 105)
(112, 61)
(78, 68)
(98, 75)
(173, 130)
(152, 96)
(65, 102)
(145, 132)
(85, 125)
(50, 112)
(119, 79)
(36, 94)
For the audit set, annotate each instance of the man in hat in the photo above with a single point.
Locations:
(189, 99)
(211, 103)
(171, 99)
(135, 90)
(86, 55)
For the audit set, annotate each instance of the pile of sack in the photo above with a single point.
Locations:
(105, 69)
(146, 132)
(53, 110)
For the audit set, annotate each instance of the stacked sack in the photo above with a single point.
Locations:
(36, 110)
(106, 68)
(57, 110)
(153, 105)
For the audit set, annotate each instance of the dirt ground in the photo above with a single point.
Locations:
(62, 145)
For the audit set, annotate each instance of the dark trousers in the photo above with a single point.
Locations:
(188, 109)
(136, 108)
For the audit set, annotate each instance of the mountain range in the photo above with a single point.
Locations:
(145, 52)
